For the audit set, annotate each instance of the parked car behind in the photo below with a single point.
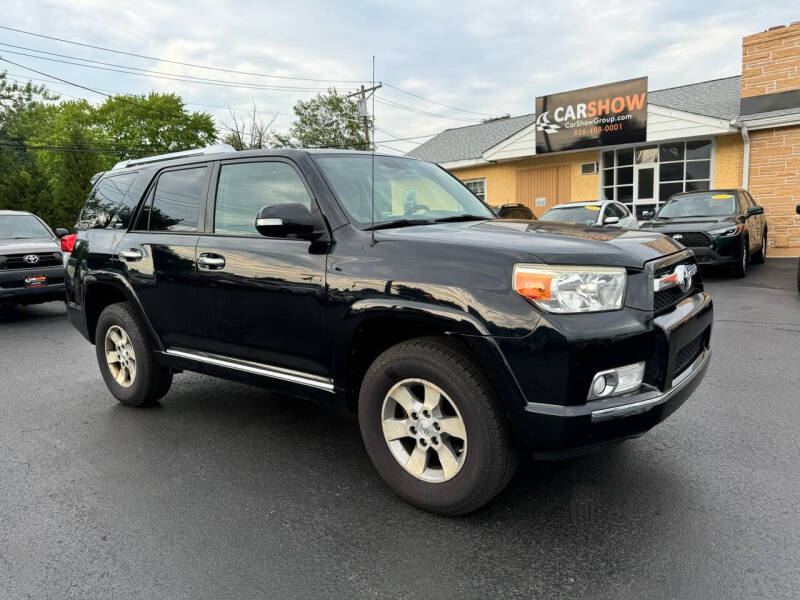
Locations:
(514, 211)
(31, 267)
(460, 339)
(599, 212)
(722, 227)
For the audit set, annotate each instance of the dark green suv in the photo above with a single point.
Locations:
(722, 227)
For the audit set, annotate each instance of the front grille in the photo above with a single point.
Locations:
(687, 355)
(692, 239)
(17, 261)
(664, 300)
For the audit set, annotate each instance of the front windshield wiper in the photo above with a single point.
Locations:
(398, 223)
(460, 218)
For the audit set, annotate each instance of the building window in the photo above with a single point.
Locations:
(646, 176)
(477, 187)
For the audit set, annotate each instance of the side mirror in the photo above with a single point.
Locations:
(648, 214)
(755, 210)
(610, 220)
(284, 220)
(61, 232)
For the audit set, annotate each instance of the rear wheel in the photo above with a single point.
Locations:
(125, 356)
(758, 257)
(433, 427)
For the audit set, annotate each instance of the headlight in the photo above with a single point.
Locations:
(571, 289)
(729, 231)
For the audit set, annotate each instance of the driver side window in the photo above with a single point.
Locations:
(245, 188)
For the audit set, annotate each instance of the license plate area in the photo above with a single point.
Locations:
(35, 281)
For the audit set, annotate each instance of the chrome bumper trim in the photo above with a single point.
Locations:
(640, 406)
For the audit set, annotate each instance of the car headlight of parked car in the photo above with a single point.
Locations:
(729, 231)
(571, 289)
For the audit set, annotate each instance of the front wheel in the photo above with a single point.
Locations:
(125, 356)
(740, 268)
(433, 427)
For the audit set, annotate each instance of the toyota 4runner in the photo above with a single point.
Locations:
(458, 338)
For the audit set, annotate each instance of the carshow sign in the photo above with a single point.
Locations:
(604, 115)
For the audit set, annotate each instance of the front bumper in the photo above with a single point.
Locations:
(13, 290)
(675, 348)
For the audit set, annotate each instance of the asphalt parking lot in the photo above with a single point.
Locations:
(227, 492)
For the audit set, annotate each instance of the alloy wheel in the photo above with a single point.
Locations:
(424, 430)
(120, 356)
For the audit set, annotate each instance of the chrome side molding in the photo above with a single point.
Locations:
(255, 368)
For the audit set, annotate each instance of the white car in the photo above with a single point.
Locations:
(599, 212)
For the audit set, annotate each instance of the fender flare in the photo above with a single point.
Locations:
(116, 280)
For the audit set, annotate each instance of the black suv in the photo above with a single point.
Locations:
(458, 338)
(722, 227)
(31, 267)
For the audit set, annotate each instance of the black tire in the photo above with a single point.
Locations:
(740, 268)
(490, 459)
(152, 380)
(758, 257)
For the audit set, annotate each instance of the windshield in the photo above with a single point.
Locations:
(585, 215)
(406, 191)
(701, 204)
(21, 227)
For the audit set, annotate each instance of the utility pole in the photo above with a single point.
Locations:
(363, 94)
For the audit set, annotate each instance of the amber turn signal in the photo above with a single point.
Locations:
(534, 286)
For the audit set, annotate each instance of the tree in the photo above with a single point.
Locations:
(252, 135)
(328, 120)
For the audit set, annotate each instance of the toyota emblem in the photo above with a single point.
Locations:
(31, 259)
(684, 277)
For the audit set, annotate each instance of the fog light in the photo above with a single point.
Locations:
(615, 382)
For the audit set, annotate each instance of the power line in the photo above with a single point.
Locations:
(394, 87)
(423, 112)
(176, 62)
(83, 87)
(168, 77)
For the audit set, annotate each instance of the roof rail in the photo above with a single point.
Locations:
(213, 149)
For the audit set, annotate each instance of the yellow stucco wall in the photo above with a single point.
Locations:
(501, 177)
(728, 161)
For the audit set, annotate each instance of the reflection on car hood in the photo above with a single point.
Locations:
(548, 242)
(687, 224)
(44, 244)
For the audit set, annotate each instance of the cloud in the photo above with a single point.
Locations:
(488, 57)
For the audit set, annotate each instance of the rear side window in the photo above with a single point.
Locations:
(245, 188)
(176, 202)
(104, 201)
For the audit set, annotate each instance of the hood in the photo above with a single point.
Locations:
(32, 245)
(548, 242)
(688, 224)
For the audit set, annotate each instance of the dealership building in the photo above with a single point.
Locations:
(739, 131)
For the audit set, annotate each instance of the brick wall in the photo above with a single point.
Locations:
(771, 61)
(775, 183)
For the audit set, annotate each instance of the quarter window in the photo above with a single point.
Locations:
(104, 201)
(177, 200)
(477, 187)
(245, 188)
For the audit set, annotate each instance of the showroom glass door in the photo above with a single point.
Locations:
(645, 189)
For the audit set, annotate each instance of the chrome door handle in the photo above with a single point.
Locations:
(131, 255)
(210, 263)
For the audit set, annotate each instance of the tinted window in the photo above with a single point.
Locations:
(177, 200)
(104, 201)
(245, 188)
(750, 199)
(613, 210)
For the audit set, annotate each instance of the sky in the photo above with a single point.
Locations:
(443, 64)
